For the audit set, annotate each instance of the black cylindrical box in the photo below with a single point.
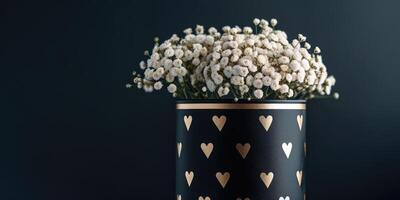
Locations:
(251, 150)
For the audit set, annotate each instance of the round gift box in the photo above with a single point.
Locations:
(249, 150)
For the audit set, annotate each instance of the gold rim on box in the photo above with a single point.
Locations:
(241, 106)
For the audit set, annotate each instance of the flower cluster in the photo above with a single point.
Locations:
(239, 63)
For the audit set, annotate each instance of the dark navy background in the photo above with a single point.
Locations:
(70, 130)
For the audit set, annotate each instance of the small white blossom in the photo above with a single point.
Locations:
(274, 22)
(256, 21)
(258, 93)
(317, 50)
(158, 85)
(258, 83)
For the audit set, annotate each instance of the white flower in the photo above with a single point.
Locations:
(188, 31)
(291, 93)
(171, 88)
(295, 65)
(262, 59)
(179, 53)
(307, 45)
(302, 38)
(217, 78)
(275, 85)
(264, 23)
(258, 75)
(224, 61)
(215, 68)
(226, 52)
(258, 83)
(177, 62)
(237, 80)
(243, 89)
(209, 40)
(284, 60)
(148, 88)
(234, 58)
(317, 50)
(169, 52)
(274, 22)
(284, 89)
(258, 93)
(249, 80)
(142, 65)
(305, 64)
(247, 30)
(284, 68)
(228, 71)
(196, 61)
(226, 28)
(199, 29)
(169, 78)
(289, 78)
(256, 21)
(243, 71)
(210, 85)
(267, 81)
(158, 85)
(212, 30)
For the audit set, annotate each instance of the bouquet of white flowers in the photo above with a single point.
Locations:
(238, 63)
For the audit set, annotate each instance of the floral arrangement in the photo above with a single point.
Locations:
(237, 63)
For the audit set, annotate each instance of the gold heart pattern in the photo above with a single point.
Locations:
(287, 148)
(219, 121)
(243, 149)
(299, 175)
(300, 121)
(179, 148)
(188, 121)
(189, 177)
(207, 149)
(223, 178)
(266, 121)
(267, 178)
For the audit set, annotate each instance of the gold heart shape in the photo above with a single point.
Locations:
(204, 198)
(207, 149)
(286, 198)
(300, 121)
(188, 121)
(219, 121)
(223, 178)
(266, 121)
(267, 178)
(189, 177)
(299, 175)
(287, 148)
(178, 197)
(243, 149)
(179, 148)
(247, 198)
